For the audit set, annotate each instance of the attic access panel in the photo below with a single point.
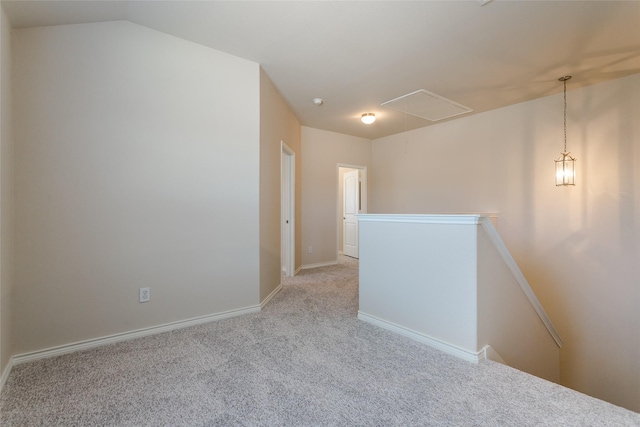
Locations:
(427, 105)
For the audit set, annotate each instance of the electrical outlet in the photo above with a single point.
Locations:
(310, 250)
(145, 294)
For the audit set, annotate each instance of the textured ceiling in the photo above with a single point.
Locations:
(357, 55)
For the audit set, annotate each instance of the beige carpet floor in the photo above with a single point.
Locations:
(305, 360)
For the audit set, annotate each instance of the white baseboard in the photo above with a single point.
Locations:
(5, 374)
(469, 356)
(270, 296)
(125, 336)
(319, 264)
(491, 354)
(298, 270)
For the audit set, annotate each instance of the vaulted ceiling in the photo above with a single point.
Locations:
(356, 55)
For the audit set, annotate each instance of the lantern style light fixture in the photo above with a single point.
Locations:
(565, 165)
(368, 118)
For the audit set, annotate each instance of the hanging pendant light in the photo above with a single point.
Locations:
(565, 165)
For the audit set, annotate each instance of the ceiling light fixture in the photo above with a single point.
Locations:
(318, 101)
(565, 165)
(368, 118)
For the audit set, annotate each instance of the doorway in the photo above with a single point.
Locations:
(287, 210)
(352, 200)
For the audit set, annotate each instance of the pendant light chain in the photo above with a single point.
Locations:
(565, 115)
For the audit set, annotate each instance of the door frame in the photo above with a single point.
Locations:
(363, 194)
(287, 209)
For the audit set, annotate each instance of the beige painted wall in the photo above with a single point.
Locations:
(137, 164)
(577, 247)
(507, 320)
(322, 151)
(6, 194)
(277, 123)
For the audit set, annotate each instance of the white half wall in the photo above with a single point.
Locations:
(441, 280)
(420, 274)
(137, 165)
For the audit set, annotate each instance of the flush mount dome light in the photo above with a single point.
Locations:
(368, 118)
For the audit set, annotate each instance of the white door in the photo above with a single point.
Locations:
(287, 210)
(351, 207)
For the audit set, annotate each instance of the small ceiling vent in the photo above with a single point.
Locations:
(427, 105)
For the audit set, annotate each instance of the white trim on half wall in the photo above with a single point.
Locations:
(469, 356)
